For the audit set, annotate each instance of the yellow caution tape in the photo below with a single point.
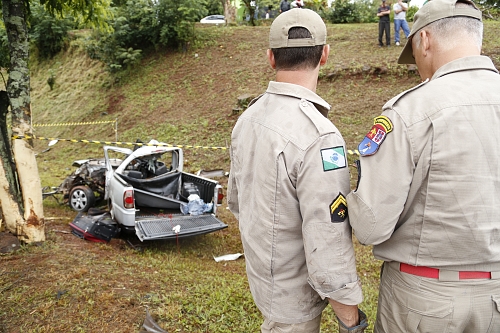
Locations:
(75, 124)
(350, 152)
(115, 142)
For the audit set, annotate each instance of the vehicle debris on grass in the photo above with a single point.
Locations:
(146, 192)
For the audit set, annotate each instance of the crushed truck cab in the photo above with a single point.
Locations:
(147, 191)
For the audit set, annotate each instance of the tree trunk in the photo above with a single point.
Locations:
(11, 214)
(229, 12)
(32, 227)
(9, 189)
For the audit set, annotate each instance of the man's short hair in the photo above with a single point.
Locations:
(451, 32)
(297, 58)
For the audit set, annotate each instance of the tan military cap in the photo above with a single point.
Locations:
(431, 11)
(297, 17)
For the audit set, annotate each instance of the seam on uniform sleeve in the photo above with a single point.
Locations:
(365, 207)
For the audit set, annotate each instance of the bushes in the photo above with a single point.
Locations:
(135, 26)
(177, 18)
(347, 11)
(343, 11)
(359, 11)
(48, 33)
(319, 6)
(142, 25)
(410, 13)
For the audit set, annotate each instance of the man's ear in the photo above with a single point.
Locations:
(270, 58)
(425, 41)
(324, 54)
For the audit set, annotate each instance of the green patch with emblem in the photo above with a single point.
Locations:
(333, 158)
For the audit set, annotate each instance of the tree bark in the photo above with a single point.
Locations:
(229, 12)
(9, 189)
(11, 214)
(32, 227)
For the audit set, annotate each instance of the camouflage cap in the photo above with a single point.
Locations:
(297, 17)
(431, 11)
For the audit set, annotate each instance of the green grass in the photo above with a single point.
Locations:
(70, 285)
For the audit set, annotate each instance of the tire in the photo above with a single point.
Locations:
(81, 198)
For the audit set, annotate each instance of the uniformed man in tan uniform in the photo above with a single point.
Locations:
(287, 186)
(428, 196)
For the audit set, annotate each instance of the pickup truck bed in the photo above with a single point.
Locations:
(157, 212)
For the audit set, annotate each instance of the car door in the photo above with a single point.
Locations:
(109, 167)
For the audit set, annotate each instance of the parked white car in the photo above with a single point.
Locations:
(213, 19)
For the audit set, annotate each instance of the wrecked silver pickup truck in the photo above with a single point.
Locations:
(147, 192)
(150, 193)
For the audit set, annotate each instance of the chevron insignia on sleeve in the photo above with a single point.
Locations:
(338, 209)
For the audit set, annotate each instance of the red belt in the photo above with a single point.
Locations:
(433, 273)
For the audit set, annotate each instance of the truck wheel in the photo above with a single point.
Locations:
(81, 198)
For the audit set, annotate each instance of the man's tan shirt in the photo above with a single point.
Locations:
(430, 195)
(288, 169)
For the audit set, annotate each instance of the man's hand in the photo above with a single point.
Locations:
(349, 317)
(359, 328)
(348, 314)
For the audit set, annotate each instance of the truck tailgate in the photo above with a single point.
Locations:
(162, 227)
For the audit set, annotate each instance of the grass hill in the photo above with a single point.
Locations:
(181, 98)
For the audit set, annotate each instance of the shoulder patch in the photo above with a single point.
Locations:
(382, 126)
(338, 209)
(333, 158)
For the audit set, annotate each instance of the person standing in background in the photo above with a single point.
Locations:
(297, 4)
(400, 9)
(284, 6)
(384, 23)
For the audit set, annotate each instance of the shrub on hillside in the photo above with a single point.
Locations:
(319, 6)
(410, 13)
(347, 11)
(177, 18)
(214, 7)
(48, 33)
(343, 11)
(142, 25)
(367, 11)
